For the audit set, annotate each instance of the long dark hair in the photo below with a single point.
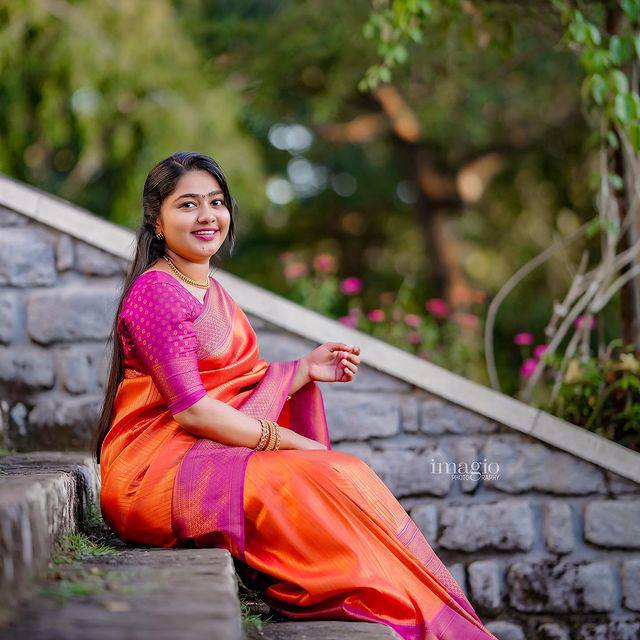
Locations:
(160, 183)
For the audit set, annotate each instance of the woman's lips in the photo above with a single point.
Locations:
(205, 236)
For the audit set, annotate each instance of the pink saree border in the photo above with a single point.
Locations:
(207, 507)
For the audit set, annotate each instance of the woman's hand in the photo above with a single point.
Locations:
(290, 439)
(333, 362)
(311, 445)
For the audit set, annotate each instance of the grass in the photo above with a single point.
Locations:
(6, 452)
(74, 547)
(75, 580)
(255, 612)
(67, 577)
(91, 542)
(95, 528)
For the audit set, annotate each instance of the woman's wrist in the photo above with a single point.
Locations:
(301, 376)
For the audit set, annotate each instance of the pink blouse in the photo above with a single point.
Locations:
(156, 331)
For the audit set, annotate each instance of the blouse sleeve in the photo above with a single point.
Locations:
(160, 327)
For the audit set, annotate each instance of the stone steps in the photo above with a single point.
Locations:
(43, 495)
(53, 592)
(137, 594)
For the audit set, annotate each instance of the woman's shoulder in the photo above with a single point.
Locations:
(155, 279)
(153, 287)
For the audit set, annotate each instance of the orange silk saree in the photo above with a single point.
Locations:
(317, 531)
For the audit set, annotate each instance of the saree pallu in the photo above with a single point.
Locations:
(317, 531)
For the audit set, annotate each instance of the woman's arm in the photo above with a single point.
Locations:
(217, 420)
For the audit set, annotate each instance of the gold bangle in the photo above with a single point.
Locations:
(276, 446)
(277, 437)
(272, 436)
(263, 435)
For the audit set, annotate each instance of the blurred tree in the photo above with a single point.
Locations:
(463, 167)
(93, 94)
(606, 38)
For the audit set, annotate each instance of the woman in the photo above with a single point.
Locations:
(203, 443)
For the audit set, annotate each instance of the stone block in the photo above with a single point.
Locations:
(438, 417)
(408, 473)
(552, 631)
(26, 368)
(358, 416)
(93, 261)
(27, 257)
(547, 586)
(62, 422)
(410, 414)
(613, 630)
(65, 252)
(526, 465)
(558, 527)
(631, 584)
(9, 218)
(619, 485)
(504, 630)
(469, 464)
(71, 313)
(613, 523)
(508, 526)
(485, 584)
(82, 367)
(10, 311)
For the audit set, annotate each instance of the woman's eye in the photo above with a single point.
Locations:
(216, 200)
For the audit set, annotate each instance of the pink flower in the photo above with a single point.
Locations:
(376, 315)
(356, 312)
(412, 320)
(539, 349)
(295, 270)
(351, 286)
(437, 307)
(324, 262)
(349, 321)
(527, 367)
(579, 322)
(287, 256)
(523, 339)
(414, 337)
(387, 297)
(466, 319)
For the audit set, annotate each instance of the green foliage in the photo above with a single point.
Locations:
(601, 393)
(447, 338)
(94, 93)
(76, 546)
(394, 24)
(606, 87)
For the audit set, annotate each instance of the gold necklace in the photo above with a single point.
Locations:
(182, 276)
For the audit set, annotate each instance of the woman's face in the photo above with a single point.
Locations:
(197, 203)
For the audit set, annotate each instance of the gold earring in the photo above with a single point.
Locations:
(160, 235)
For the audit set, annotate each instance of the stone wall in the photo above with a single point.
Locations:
(546, 545)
